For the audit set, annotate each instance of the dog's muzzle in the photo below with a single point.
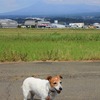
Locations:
(58, 91)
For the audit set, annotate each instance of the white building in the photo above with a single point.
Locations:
(56, 21)
(37, 22)
(54, 25)
(97, 25)
(76, 25)
(8, 23)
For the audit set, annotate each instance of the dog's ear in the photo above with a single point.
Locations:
(60, 76)
(49, 77)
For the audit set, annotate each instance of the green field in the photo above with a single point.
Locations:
(49, 44)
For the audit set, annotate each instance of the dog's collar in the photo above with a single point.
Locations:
(52, 91)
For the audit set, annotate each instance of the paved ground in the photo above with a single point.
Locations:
(81, 79)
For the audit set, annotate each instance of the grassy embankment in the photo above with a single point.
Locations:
(49, 44)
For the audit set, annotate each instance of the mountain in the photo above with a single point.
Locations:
(52, 9)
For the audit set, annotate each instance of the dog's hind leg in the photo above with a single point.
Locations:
(32, 95)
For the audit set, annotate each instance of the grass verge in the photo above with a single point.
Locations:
(49, 44)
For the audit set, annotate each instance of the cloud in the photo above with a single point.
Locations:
(87, 2)
(11, 5)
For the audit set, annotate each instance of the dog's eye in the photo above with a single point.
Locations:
(54, 83)
(60, 82)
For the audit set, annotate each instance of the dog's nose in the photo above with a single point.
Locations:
(60, 88)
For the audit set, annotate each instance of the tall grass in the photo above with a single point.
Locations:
(49, 44)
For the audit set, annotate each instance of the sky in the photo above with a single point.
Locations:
(49, 6)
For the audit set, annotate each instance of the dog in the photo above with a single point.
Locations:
(46, 89)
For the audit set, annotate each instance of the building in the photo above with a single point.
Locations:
(54, 25)
(57, 25)
(36, 23)
(8, 23)
(96, 25)
(30, 22)
(76, 25)
(44, 24)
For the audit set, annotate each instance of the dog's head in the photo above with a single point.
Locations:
(55, 83)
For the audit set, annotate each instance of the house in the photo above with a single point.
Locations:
(76, 25)
(8, 23)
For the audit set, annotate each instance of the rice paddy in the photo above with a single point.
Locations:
(49, 44)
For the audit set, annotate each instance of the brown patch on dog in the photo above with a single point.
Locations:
(49, 77)
(54, 80)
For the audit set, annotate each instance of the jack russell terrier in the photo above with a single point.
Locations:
(46, 89)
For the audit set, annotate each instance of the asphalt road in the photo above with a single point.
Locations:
(81, 80)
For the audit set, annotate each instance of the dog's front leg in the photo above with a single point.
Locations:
(43, 99)
(32, 95)
(48, 98)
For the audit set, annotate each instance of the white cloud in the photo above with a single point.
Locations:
(11, 5)
(88, 2)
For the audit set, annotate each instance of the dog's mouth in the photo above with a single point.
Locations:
(58, 91)
(55, 90)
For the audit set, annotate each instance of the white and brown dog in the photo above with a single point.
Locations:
(46, 89)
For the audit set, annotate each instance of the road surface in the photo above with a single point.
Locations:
(81, 80)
